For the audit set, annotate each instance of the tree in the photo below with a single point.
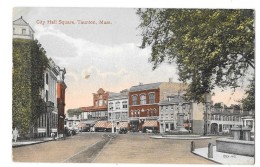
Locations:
(220, 105)
(248, 102)
(211, 47)
(72, 112)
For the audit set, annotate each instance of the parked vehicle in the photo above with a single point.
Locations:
(122, 131)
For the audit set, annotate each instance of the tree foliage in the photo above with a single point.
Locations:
(72, 112)
(248, 102)
(29, 63)
(211, 47)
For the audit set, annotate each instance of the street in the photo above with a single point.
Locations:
(108, 148)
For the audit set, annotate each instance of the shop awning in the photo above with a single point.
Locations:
(150, 123)
(101, 124)
(109, 125)
(82, 125)
(123, 125)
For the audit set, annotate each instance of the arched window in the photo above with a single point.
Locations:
(151, 98)
(134, 99)
(143, 99)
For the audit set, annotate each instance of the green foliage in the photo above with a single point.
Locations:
(29, 63)
(72, 112)
(219, 105)
(248, 102)
(211, 47)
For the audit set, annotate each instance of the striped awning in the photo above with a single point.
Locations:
(109, 125)
(123, 125)
(150, 123)
(81, 125)
(101, 124)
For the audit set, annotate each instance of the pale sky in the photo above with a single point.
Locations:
(108, 53)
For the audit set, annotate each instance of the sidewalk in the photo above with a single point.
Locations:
(20, 143)
(225, 158)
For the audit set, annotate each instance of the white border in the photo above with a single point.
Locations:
(6, 52)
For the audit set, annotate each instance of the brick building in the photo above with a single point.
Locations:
(61, 87)
(98, 112)
(144, 102)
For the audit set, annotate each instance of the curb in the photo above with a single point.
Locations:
(206, 158)
(14, 146)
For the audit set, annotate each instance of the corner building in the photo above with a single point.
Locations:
(144, 102)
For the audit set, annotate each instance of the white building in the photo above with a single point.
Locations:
(118, 109)
(48, 122)
(193, 115)
(22, 30)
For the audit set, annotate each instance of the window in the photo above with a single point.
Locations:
(46, 95)
(105, 101)
(110, 107)
(124, 104)
(134, 99)
(100, 103)
(117, 105)
(151, 98)
(47, 78)
(96, 103)
(117, 116)
(143, 99)
(148, 113)
(23, 31)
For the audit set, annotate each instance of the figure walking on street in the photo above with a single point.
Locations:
(15, 134)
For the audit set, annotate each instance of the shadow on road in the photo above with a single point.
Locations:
(89, 154)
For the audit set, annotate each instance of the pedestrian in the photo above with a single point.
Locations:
(15, 134)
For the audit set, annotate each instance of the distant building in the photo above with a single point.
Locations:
(144, 102)
(97, 112)
(193, 114)
(221, 120)
(118, 109)
(22, 30)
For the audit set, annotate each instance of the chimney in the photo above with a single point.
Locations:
(170, 80)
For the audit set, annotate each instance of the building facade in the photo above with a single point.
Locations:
(144, 102)
(61, 87)
(22, 30)
(118, 109)
(220, 120)
(48, 121)
(53, 93)
(97, 112)
(193, 115)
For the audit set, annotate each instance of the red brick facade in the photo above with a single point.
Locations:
(143, 110)
(61, 105)
(99, 108)
(100, 98)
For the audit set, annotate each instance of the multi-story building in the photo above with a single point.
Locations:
(97, 112)
(53, 92)
(61, 87)
(221, 120)
(22, 30)
(169, 109)
(48, 121)
(118, 109)
(144, 102)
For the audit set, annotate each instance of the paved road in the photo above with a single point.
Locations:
(107, 148)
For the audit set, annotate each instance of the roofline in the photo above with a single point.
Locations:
(25, 22)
